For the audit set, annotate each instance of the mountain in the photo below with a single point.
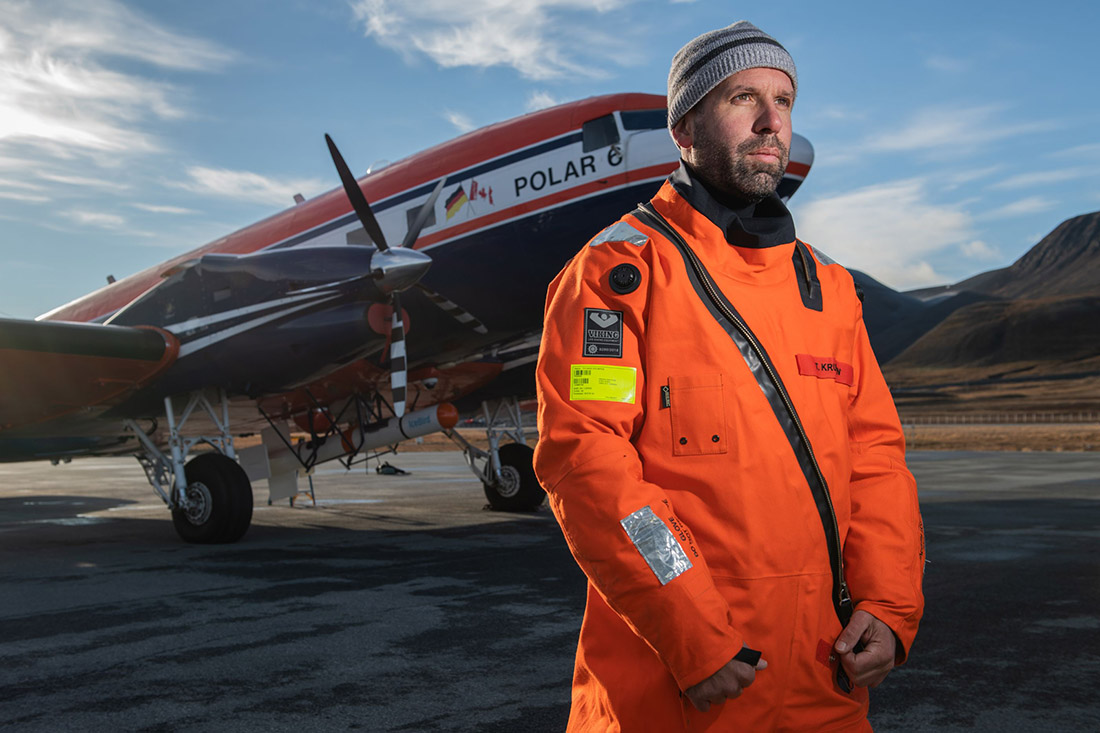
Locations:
(1042, 309)
(995, 332)
(896, 320)
(1064, 262)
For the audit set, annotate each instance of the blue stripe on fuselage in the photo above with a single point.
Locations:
(425, 189)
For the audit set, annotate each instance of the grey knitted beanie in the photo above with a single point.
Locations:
(707, 60)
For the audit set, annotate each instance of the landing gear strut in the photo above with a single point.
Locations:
(505, 470)
(210, 496)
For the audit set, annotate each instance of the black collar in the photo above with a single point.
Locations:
(766, 223)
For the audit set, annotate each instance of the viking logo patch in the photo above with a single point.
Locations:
(603, 333)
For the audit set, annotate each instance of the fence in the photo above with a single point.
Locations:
(1002, 418)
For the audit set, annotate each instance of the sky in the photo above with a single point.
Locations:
(950, 136)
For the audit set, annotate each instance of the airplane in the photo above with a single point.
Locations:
(314, 330)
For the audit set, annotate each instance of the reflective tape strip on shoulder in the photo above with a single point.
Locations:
(821, 256)
(656, 544)
(620, 232)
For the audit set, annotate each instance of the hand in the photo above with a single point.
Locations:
(869, 667)
(725, 684)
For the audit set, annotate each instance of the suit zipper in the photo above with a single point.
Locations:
(844, 597)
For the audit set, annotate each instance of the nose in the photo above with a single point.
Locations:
(770, 120)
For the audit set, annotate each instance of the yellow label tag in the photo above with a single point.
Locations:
(602, 382)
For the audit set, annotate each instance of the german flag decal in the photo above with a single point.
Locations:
(455, 201)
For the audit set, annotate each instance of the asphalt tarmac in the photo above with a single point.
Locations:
(399, 603)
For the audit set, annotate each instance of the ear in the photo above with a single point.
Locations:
(682, 131)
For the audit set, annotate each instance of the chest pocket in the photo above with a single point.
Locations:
(697, 406)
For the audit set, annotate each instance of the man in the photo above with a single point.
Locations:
(718, 443)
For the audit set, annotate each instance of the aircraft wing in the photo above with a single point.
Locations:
(51, 369)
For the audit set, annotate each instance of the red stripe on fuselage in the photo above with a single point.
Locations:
(795, 168)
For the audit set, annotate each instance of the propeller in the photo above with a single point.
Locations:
(454, 310)
(422, 215)
(397, 269)
(355, 195)
(398, 364)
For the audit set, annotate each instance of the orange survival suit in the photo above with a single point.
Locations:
(684, 496)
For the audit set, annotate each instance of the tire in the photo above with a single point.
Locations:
(519, 491)
(224, 493)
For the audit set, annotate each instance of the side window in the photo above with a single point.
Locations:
(644, 119)
(599, 133)
(410, 217)
(358, 236)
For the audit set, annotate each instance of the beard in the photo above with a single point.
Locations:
(728, 168)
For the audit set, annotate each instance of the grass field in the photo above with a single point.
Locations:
(1060, 437)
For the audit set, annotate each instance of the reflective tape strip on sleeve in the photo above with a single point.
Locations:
(656, 544)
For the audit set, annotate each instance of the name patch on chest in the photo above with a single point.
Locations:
(824, 367)
(603, 333)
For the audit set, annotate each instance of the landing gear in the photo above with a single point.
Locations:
(218, 509)
(517, 489)
(210, 496)
(506, 471)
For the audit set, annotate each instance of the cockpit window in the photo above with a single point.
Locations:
(599, 133)
(644, 119)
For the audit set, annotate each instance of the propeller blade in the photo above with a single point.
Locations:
(398, 364)
(355, 195)
(422, 215)
(454, 310)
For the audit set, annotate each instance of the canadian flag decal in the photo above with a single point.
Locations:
(824, 367)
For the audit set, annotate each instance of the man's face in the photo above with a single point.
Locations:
(738, 137)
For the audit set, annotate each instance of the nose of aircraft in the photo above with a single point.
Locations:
(397, 268)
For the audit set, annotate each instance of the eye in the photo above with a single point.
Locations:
(784, 102)
(743, 97)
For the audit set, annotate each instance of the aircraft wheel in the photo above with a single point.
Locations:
(220, 501)
(518, 490)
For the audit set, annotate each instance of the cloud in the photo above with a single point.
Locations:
(28, 197)
(956, 179)
(1088, 150)
(19, 183)
(890, 231)
(83, 181)
(950, 64)
(248, 186)
(96, 218)
(541, 39)
(837, 113)
(162, 209)
(1029, 205)
(979, 250)
(459, 120)
(951, 129)
(1044, 178)
(57, 92)
(541, 100)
